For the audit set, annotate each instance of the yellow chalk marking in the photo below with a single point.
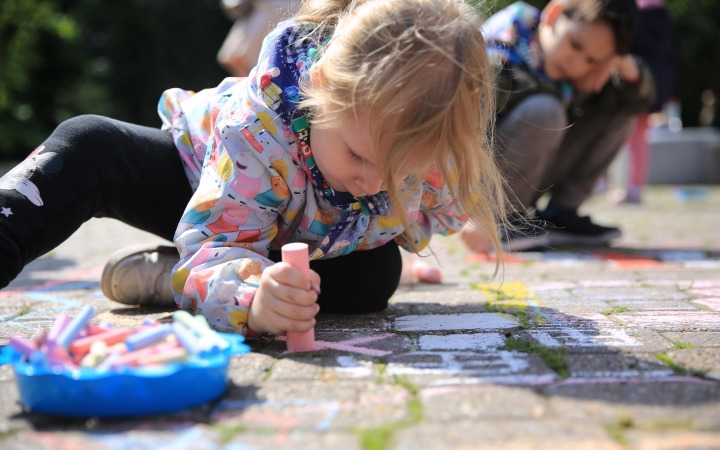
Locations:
(511, 295)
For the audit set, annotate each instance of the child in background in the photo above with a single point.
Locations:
(653, 44)
(567, 93)
(363, 126)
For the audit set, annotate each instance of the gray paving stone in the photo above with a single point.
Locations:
(448, 404)
(647, 401)
(438, 368)
(499, 434)
(623, 365)
(600, 340)
(706, 360)
(658, 439)
(343, 323)
(697, 339)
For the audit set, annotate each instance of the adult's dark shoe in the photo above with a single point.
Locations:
(524, 234)
(140, 275)
(568, 229)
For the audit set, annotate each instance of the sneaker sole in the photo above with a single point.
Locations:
(107, 275)
(525, 244)
(563, 238)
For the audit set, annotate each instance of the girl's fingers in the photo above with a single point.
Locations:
(286, 274)
(315, 281)
(293, 295)
(278, 324)
(292, 311)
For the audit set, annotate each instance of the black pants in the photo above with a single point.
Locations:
(93, 166)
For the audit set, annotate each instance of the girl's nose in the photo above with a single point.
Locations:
(371, 182)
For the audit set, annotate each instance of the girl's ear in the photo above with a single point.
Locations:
(317, 77)
(550, 13)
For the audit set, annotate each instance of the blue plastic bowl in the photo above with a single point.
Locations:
(133, 391)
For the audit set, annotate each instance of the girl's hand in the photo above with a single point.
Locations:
(285, 301)
(475, 239)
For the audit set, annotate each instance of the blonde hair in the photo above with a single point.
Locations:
(421, 64)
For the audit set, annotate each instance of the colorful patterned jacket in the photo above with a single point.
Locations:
(245, 148)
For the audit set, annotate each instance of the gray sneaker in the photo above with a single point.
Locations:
(140, 275)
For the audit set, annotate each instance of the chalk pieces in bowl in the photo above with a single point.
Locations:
(79, 369)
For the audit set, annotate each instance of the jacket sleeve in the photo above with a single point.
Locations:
(437, 212)
(224, 234)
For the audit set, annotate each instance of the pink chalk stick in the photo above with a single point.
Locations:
(80, 347)
(296, 254)
(92, 330)
(61, 322)
(40, 337)
(132, 358)
(170, 356)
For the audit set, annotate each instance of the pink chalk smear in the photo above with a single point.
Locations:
(685, 318)
(349, 345)
(712, 303)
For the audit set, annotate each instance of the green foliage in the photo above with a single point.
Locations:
(615, 310)
(679, 369)
(617, 430)
(696, 31)
(682, 345)
(62, 58)
(553, 357)
(381, 438)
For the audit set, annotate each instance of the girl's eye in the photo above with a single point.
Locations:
(575, 45)
(354, 157)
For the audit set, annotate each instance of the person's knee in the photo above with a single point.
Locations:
(542, 111)
(84, 129)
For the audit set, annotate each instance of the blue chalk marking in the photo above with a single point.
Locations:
(326, 422)
(39, 296)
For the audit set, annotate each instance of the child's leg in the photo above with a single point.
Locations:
(639, 155)
(587, 150)
(528, 138)
(360, 282)
(90, 166)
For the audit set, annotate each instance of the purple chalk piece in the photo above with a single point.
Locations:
(23, 346)
(75, 326)
(147, 337)
(61, 322)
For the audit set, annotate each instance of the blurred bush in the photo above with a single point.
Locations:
(61, 58)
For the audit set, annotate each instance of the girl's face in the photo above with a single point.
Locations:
(345, 157)
(571, 48)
